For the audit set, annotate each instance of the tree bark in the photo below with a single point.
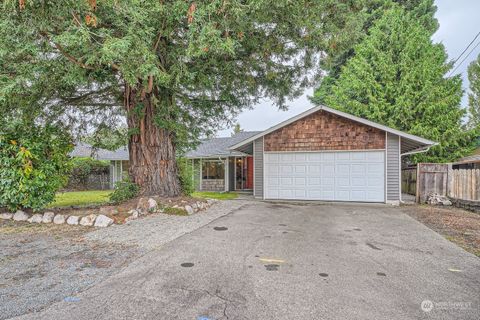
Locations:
(152, 149)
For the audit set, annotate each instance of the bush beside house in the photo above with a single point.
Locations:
(89, 174)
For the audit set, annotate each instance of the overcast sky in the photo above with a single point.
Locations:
(459, 23)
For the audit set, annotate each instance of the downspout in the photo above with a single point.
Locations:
(421, 150)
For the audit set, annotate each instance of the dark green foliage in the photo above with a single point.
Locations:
(397, 78)
(205, 60)
(83, 167)
(124, 190)
(367, 12)
(185, 171)
(108, 138)
(474, 94)
(34, 164)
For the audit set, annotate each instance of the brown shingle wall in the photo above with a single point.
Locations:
(324, 131)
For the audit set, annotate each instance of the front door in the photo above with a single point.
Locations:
(243, 173)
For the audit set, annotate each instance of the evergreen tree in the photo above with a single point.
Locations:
(474, 94)
(397, 78)
(341, 48)
(176, 69)
(236, 129)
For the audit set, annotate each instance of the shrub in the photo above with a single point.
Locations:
(185, 174)
(124, 190)
(82, 168)
(34, 164)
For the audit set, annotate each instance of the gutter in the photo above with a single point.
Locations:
(421, 150)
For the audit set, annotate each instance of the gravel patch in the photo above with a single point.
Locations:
(458, 226)
(153, 231)
(42, 264)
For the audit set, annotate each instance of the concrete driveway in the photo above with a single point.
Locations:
(286, 261)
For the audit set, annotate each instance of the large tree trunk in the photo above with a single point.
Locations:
(153, 165)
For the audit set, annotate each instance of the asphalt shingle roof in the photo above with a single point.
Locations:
(217, 147)
(82, 150)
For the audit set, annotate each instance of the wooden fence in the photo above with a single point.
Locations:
(409, 181)
(464, 184)
(431, 178)
(439, 178)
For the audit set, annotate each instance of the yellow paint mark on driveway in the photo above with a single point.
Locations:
(267, 260)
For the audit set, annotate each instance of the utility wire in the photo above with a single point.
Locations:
(463, 60)
(461, 54)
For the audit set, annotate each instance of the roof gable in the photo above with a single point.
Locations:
(341, 114)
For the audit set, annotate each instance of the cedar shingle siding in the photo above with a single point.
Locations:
(325, 131)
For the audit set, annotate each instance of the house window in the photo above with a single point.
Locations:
(213, 170)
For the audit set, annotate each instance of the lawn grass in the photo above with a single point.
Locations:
(215, 195)
(81, 198)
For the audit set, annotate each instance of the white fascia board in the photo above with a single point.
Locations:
(341, 114)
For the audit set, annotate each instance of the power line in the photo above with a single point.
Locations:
(463, 60)
(461, 54)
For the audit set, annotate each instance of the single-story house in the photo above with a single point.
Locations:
(119, 159)
(320, 154)
(470, 162)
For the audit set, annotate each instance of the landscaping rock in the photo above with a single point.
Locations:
(59, 219)
(48, 217)
(211, 201)
(133, 215)
(20, 216)
(152, 205)
(6, 216)
(108, 211)
(73, 220)
(437, 199)
(189, 210)
(147, 205)
(36, 218)
(88, 221)
(103, 221)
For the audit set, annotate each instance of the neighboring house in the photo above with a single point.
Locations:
(469, 162)
(119, 159)
(321, 154)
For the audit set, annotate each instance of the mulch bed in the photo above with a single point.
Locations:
(459, 226)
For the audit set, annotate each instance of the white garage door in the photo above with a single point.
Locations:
(336, 176)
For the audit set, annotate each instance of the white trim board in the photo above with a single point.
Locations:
(341, 114)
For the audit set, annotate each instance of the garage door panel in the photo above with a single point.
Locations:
(342, 157)
(314, 181)
(342, 182)
(328, 182)
(342, 195)
(358, 156)
(336, 176)
(358, 195)
(375, 170)
(375, 157)
(314, 157)
(314, 169)
(300, 182)
(342, 170)
(358, 169)
(359, 182)
(328, 156)
(287, 157)
(328, 170)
